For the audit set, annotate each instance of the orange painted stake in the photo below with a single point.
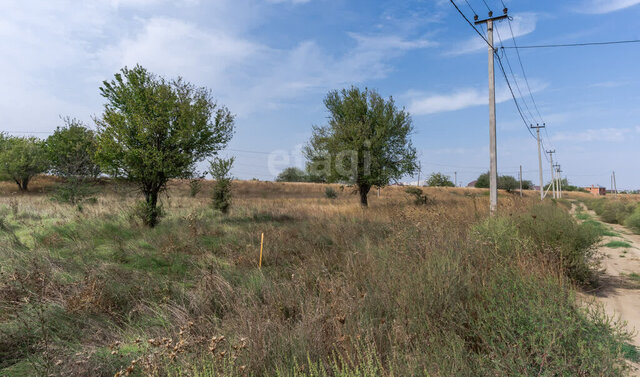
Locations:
(261, 242)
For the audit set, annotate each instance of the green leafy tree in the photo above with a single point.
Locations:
(71, 150)
(483, 181)
(154, 129)
(219, 169)
(292, 174)
(508, 183)
(439, 180)
(366, 141)
(22, 158)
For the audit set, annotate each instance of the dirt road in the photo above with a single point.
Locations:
(620, 290)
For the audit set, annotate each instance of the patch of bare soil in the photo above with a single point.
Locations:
(620, 288)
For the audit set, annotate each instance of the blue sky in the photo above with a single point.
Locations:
(272, 62)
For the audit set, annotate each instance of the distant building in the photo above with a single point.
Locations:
(597, 190)
(472, 184)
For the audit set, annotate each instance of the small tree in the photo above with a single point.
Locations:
(508, 183)
(292, 174)
(439, 180)
(153, 130)
(219, 169)
(22, 158)
(366, 141)
(71, 150)
(483, 181)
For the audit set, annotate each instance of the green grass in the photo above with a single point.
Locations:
(618, 244)
(582, 216)
(602, 229)
(631, 352)
(634, 276)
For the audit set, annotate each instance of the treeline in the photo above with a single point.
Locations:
(151, 130)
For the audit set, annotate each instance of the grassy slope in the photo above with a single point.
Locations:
(397, 289)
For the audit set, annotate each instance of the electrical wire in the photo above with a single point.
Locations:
(577, 44)
(469, 22)
(515, 80)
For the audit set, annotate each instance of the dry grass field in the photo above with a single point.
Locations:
(396, 289)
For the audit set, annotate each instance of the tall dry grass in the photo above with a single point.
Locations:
(395, 289)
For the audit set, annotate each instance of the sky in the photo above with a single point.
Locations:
(271, 62)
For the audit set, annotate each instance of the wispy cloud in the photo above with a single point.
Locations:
(424, 104)
(606, 6)
(522, 24)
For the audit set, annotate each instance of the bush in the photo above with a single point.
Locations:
(219, 169)
(551, 233)
(330, 193)
(420, 198)
(195, 186)
(633, 221)
(439, 180)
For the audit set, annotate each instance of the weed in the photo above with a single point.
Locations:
(618, 244)
(330, 193)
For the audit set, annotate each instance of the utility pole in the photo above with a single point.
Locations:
(493, 150)
(553, 176)
(538, 127)
(615, 185)
(559, 180)
(521, 181)
(419, 171)
(455, 178)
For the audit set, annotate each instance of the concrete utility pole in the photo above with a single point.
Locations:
(521, 181)
(615, 185)
(553, 176)
(538, 127)
(559, 180)
(455, 179)
(493, 150)
(419, 171)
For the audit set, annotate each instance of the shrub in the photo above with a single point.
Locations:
(633, 221)
(420, 198)
(439, 180)
(219, 169)
(292, 174)
(195, 186)
(330, 193)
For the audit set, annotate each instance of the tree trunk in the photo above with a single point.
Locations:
(23, 184)
(151, 215)
(364, 190)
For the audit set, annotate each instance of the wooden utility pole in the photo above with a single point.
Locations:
(538, 127)
(493, 150)
(553, 175)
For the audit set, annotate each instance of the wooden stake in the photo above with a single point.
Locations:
(261, 243)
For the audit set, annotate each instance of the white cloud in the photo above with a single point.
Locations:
(599, 134)
(174, 47)
(522, 24)
(421, 104)
(606, 6)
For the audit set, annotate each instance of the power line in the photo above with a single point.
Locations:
(469, 22)
(524, 74)
(576, 44)
(515, 80)
(486, 5)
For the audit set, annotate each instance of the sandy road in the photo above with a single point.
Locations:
(620, 290)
